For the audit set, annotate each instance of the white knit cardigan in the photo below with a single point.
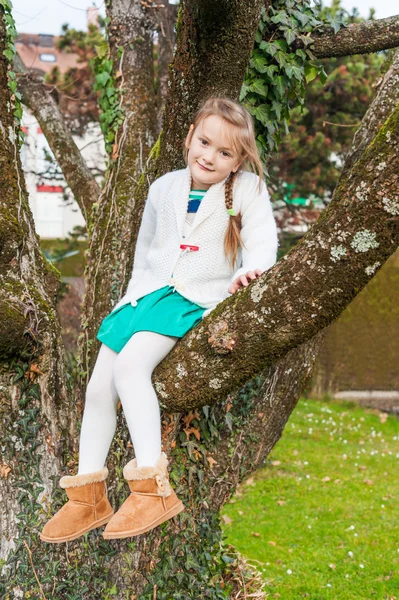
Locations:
(202, 276)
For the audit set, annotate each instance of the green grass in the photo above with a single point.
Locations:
(319, 538)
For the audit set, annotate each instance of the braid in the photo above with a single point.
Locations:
(232, 239)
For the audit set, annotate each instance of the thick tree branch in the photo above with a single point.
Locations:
(386, 100)
(303, 293)
(357, 38)
(37, 97)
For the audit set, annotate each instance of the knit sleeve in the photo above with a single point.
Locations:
(259, 234)
(145, 237)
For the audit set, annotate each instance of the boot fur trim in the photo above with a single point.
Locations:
(69, 481)
(159, 472)
(132, 472)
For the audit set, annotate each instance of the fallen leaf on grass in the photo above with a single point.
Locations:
(272, 543)
(226, 520)
(211, 461)
(281, 502)
(276, 463)
(255, 534)
(4, 470)
(326, 478)
(368, 481)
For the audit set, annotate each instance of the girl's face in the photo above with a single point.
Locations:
(211, 157)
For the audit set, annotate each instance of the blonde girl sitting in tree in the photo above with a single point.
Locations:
(206, 231)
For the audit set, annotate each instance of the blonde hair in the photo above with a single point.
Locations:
(242, 139)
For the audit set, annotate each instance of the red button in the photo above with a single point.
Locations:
(184, 246)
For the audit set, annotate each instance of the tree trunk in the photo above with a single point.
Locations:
(37, 422)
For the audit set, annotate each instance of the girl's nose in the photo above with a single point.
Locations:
(209, 158)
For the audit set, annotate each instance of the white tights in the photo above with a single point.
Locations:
(126, 375)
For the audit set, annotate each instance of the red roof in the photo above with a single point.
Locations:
(39, 52)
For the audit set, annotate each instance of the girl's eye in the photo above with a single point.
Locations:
(202, 140)
(226, 153)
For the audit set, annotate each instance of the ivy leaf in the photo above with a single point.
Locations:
(271, 69)
(294, 71)
(9, 54)
(244, 91)
(269, 47)
(310, 72)
(289, 36)
(276, 106)
(101, 50)
(102, 78)
(302, 17)
(262, 114)
(281, 58)
(280, 17)
(259, 87)
(258, 62)
(282, 45)
(323, 76)
(280, 85)
(301, 53)
(335, 22)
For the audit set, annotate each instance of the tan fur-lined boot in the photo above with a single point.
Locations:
(151, 502)
(87, 508)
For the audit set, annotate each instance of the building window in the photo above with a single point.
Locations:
(47, 57)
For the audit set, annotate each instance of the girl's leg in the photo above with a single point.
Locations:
(99, 417)
(132, 375)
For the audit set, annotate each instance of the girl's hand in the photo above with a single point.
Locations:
(242, 280)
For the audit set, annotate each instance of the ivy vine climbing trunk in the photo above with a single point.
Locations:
(38, 423)
(224, 409)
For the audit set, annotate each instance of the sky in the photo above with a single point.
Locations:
(47, 16)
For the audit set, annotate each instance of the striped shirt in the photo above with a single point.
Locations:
(194, 201)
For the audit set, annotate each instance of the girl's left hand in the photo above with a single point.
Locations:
(242, 280)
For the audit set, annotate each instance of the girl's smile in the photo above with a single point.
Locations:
(205, 168)
(210, 155)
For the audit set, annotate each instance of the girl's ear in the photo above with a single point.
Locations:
(189, 136)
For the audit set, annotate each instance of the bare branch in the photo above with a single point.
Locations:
(37, 97)
(358, 38)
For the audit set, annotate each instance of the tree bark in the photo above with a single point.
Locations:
(166, 22)
(37, 425)
(357, 38)
(37, 97)
(385, 102)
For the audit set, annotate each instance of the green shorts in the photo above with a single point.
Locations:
(164, 311)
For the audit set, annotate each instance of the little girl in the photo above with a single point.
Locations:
(206, 231)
